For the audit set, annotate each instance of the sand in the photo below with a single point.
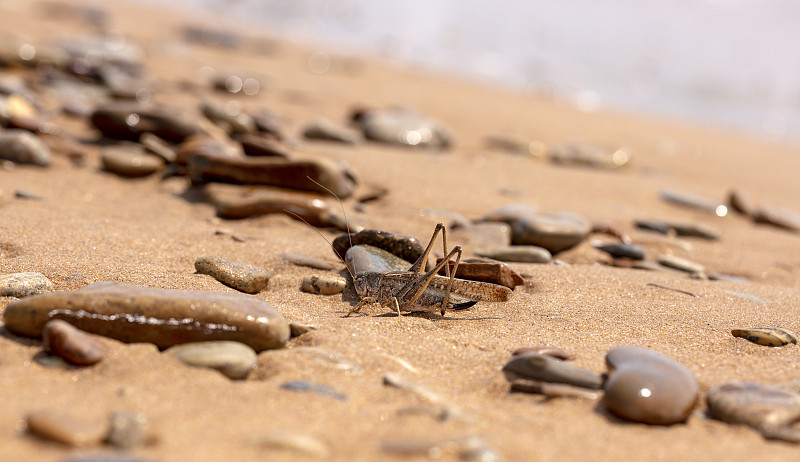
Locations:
(94, 226)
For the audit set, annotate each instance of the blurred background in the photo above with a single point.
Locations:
(733, 64)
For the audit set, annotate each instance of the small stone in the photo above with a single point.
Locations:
(767, 336)
(126, 430)
(262, 146)
(298, 328)
(230, 117)
(237, 84)
(555, 352)
(310, 262)
(495, 273)
(681, 264)
(323, 285)
(648, 387)
(23, 284)
(779, 218)
(694, 201)
(127, 121)
(770, 410)
(325, 130)
(740, 203)
(681, 229)
(646, 265)
(75, 346)
(130, 162)
(302, 444)
(65, 428)
(365, 258)
(233, 359)
(408, 248)
(163, 317)
(247, 278)
(327, 175)
(402, 127)
(157, 146)
(590, 156)
(552, 231)
(22, 147)
(304, 386)
(520, 253)
(618, 250)
(20, 194)
(544, 368)
(203, 145)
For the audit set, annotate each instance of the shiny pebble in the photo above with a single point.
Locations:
(767, 336)
(72, 344)
(233, 359)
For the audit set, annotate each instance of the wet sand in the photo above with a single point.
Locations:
(95, 226)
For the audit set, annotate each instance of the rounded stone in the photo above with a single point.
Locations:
(555, 231)
(24, 284)
(233, 359)
(23, 147)
(769, 409)
(65, 428)
(520, 254)
(247, 278)
(648, 387)
(323, 285)
(130, 162)
(325, 130)
(408, 248)
(72, 344)
(127, 121)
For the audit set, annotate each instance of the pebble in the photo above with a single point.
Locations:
(262, 146)
(770, 410)
(72, 344)
(126, 430)
(520, 253)
(297, 442)
(408, 248)
(233, 359)
(553, 231)
(590, 156)
(237, 84)
(402, 127)
(694, 201)
(22, 147)
(681, 264)
(310, 262)
(24, 284)
(274, 171)
(203, 145)
(365, 258)
(681, 229)
(163, 317)
(648, 387)
(619, 250)
(130, 161)
(229, 117)
(297, 328)
(127, 121)
(767, 336)
(779, 218)
(20, 194)
(65, 428)
(492, 272)
(158, 147)
(321, 389)
(244, 277)
(740, 203)
(325, 130)
(545, 368)
(323, 285)
(555, 352)
(231, 201)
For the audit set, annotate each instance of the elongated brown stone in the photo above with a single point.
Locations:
(496, 273)
(128, 121)
(241, 276)
(65, 428)
(163, 317)
(72, 344)
(544, 368)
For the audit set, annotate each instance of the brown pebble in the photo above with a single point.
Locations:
(298, 328)
(74, 345)
(65, 428)
(262, 146)
(23, 147)
(681, 264)
(247, 278)
(408, 248)
(739, 202)
(779, 218)
(770, 410)
(555, 352)
(323, 285)
(648, 387)
(130, 162)
(127, 121)
(767, 336)
(495, 273)
(544, 368)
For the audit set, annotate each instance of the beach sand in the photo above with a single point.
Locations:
(95, 226)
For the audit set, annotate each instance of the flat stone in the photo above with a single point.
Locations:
(555, 352)
(740, 203)
(233, 359)
(65, 428)
(75, 346)
(679, 228)
(553, 231)
(321, 389)
(648, 387)
(681, 264)
(520, 253)
(158, 147)
(298, 328)
(274, 171)
(402, 127)
(126, 430)
(130, 162)
(368, 259)
(770, 410)
(767, 336)
(163, 317)
(325, 130)
(22, 147)
(694, 201)
(262, 146)
(778, 218)
(203, 145)
(127, 121)
(23, 284)
(492, 272)
(244, 277)
(408, 248)
(232, 201)
(323, 285)
(588, 155)
(310, 262)
(545, 368)
(620, 250)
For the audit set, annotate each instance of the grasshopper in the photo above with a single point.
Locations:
(414, 290)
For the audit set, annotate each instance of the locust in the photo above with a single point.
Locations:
(417, 291)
